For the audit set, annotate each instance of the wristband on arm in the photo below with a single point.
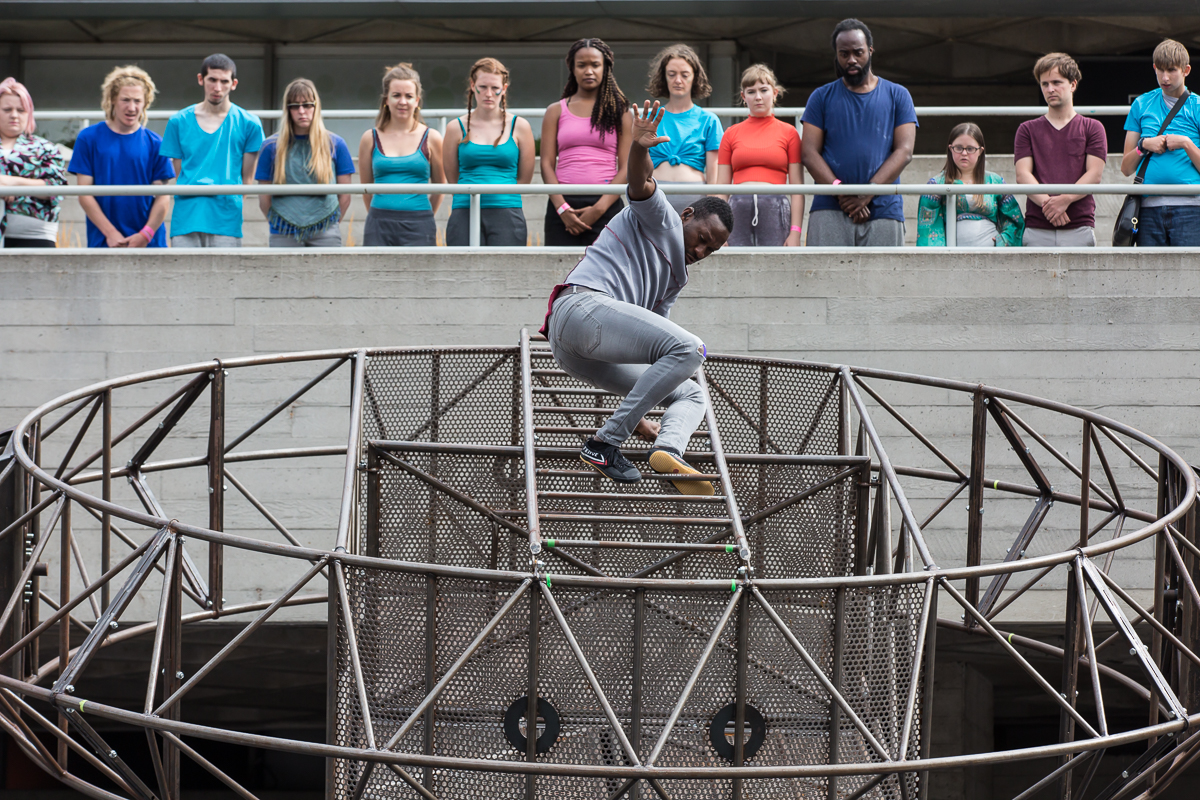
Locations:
(148, 233)
(563, 208)
(836, 182)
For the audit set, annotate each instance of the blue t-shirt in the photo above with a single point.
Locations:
(858, 136)
(112, 158)
(694, 133)
(209, 159)
(1146, 116)
(343, 164)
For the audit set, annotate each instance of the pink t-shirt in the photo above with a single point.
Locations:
(584, 155)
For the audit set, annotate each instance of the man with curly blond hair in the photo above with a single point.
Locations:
(122, 151)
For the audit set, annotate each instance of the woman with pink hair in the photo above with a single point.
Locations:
(26, 160)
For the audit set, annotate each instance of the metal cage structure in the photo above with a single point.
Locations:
(503, 622)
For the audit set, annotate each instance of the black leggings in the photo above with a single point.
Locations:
(556, 231)
(12, 241)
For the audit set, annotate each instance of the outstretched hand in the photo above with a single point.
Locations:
(645, 124)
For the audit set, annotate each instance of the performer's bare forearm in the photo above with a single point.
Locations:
(641, 172)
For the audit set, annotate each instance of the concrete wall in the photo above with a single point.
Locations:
(1108, 330)
(73, 233)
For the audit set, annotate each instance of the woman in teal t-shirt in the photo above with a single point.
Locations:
(695, 133)
(400, 149)
(488, 145)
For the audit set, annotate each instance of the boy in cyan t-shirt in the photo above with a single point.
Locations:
(1166, 220)
(212, 143)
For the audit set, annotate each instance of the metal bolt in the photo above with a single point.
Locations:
(114, 624)
(981, 511)
(182, 539)
(226, 488)
(986, 400)
(1124, 773)
(1132, 651)
(1022, 554)
(210, 490)
(112, 753)
(179, 675)
(70, 688)
(208, 603)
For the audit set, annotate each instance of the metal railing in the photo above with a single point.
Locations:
(444, 115)
(479, 189)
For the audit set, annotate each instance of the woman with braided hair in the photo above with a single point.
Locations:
(488, 145)
(585, 139)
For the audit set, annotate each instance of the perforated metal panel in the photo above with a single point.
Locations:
(467, 507)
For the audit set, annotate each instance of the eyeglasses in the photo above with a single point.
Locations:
(305, 106)
(496, 90)
(958, 148)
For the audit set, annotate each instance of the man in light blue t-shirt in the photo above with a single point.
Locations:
(213, 142)
(859, 129)
(1174, 157)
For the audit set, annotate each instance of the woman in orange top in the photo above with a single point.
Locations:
(762, 150)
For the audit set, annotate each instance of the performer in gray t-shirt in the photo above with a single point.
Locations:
(608, 324)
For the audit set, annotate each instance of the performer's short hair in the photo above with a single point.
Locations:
(714, 207)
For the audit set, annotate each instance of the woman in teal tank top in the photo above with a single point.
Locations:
(488, 146)
(401, 149)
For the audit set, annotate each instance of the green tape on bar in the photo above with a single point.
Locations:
(728, 548)
(549, 543)
(733, 586)
(547, 580)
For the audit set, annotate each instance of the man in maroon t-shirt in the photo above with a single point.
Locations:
(1060, 147)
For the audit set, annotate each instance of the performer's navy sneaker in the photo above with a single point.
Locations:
(668, 462)
(606, 459)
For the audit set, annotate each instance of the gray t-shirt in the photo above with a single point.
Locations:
(638, 257)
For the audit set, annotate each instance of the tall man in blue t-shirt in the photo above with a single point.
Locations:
(858, 129)
(1166, 220)
(122, 151)
(213, 142)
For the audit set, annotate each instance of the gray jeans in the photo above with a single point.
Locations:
(330, 237)
(830, 227)
(205, 240)
(1059, 237)
(629, 351)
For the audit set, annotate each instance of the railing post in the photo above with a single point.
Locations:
(216, 487)
(106, 495)
(975, 494)
(951, 216)
(475, 221)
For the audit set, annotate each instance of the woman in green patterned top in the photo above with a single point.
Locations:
(982, 220)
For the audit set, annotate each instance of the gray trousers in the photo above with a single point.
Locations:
(630, 351)
(760, 220)
(205, 240)
(498, 227)
(1059, 237)
(829, 227)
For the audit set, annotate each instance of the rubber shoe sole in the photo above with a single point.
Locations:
(664, 463)
(613, 476)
